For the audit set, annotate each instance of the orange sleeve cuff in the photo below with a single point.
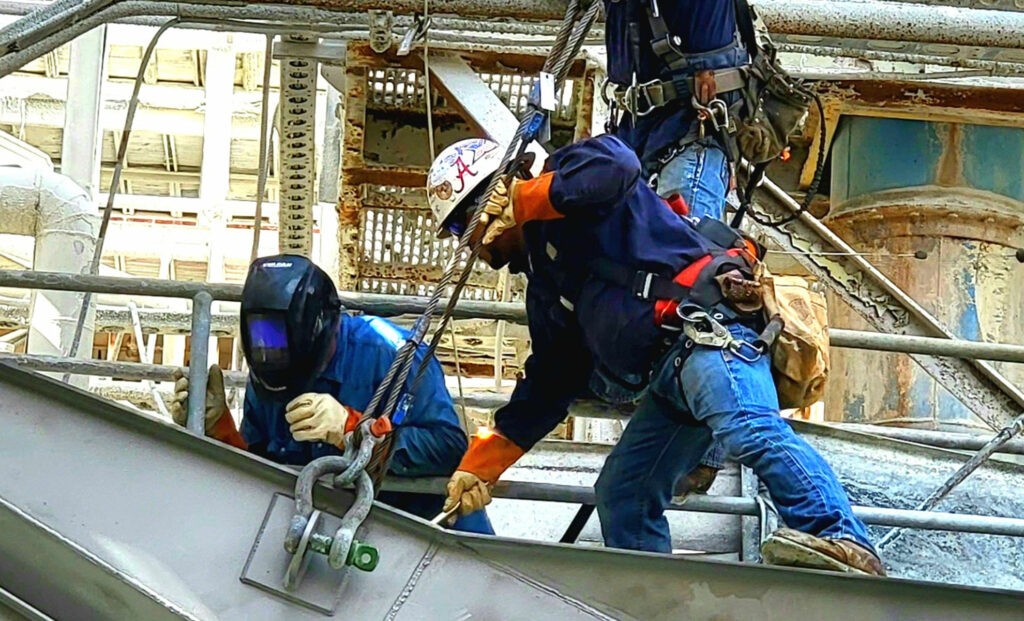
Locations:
(531, 199)
(224, 431)
(490, 456)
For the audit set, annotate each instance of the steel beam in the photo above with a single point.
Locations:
(483, 109)
(127, 511)
(83, 136)
(298, 151)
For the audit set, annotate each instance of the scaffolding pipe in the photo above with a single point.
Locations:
(731, 505)
(390, 305)
(872, 20)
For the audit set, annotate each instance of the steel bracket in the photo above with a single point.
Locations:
(315, 584)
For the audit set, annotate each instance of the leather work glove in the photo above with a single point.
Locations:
(499, 212)
(469, 489)
(216, 400)
(318, 417)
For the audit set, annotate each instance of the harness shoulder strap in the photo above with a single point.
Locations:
(745, 25)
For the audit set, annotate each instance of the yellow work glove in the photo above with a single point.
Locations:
(216, 399)
(318, 417)
(499, 213)
(468, 489)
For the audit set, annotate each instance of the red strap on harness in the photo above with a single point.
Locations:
(666, 309)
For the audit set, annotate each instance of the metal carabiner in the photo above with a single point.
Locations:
(735, 348)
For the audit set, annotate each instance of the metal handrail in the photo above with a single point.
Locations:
(391, 305)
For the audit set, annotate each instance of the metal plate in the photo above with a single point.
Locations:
(320, 585)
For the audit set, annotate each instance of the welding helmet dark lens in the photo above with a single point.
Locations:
(268, 336)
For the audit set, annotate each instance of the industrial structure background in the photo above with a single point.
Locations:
(236, 131)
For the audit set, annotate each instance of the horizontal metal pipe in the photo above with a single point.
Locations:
(956, 348)
(391, 305)
(734, 505)
(940, 439)
(374, 303)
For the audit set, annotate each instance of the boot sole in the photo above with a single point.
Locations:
(786, 553)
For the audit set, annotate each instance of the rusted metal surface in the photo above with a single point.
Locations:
(349, 194)
(874, 297)
(939, 102)
(908, 187)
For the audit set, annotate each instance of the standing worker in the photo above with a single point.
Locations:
(679, 72)
(312, 370)
(614, 275)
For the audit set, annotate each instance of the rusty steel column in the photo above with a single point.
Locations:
(952, 195)
(350, 190)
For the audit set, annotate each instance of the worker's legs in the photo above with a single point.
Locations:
(636, 482)
(737, 400)
(700, 174)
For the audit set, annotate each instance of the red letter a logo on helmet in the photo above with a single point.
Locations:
(461, 170)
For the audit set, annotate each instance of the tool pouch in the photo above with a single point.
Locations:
(800, 356)
(776, 108)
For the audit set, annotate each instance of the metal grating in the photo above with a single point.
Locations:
(400, 88)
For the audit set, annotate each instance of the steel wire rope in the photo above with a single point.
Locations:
(575, 26)
(115, 181)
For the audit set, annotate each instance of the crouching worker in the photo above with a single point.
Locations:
(312, 370)
(614, 277)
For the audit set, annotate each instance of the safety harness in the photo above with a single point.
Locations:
(755, 123)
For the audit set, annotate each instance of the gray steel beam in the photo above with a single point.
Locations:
(178, 514)
(477, 102)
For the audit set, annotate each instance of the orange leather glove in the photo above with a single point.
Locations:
(218, 422)
(489, 455)
(524, 201)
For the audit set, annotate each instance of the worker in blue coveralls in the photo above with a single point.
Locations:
(613, 273)
(313, 370)
(666, 59)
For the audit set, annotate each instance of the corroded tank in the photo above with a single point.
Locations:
(953, 195)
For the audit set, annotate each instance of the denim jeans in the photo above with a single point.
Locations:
(734, 402)
(700, 174)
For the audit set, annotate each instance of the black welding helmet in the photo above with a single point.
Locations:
(290, 313)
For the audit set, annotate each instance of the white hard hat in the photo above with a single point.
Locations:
(456, 173)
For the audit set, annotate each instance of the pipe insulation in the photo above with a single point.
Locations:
(60, 216)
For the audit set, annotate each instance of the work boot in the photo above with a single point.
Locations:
(792, 548)
(697, 482)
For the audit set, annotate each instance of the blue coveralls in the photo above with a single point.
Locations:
(579, 322)
(707, 29)
(699, 172)
(429, 442)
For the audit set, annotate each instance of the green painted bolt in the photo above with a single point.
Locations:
(362, 556)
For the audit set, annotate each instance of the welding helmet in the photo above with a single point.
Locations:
(290, 313)
(456, 177)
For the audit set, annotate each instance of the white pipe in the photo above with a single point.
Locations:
(62, 218)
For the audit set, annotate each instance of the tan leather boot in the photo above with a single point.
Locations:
(698, 481)
(792, 548)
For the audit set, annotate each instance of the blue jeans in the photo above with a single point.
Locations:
(734, 402)
(700, 174)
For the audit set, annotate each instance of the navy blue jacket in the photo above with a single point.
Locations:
(609, 212)
(429, 442)
(708, 31)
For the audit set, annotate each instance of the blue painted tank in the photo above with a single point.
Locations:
(955, 192)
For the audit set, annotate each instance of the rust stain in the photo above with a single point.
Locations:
(950, 169)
